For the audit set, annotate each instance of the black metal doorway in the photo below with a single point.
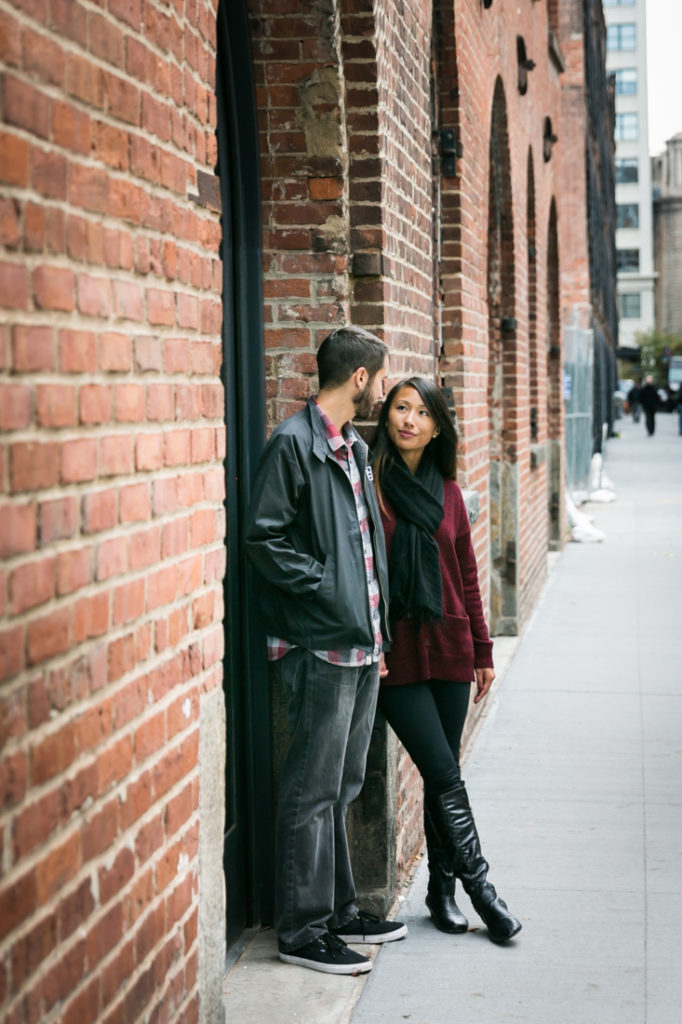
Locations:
(248, 825)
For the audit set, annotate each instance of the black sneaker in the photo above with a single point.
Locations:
(329, 954)
(369, 928)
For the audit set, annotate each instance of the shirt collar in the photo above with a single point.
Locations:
(345, 438)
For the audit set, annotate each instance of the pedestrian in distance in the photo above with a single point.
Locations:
(316, 538)
(634, 404)
(648, 397)
(440, 640)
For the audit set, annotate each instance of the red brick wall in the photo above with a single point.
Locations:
(352, 224)
(572, 197)
(305, 202)
(485, 48)
(343, 235)
(111, 482)
(403, 78)
(403, 81)
(346, 191)
(111, 493)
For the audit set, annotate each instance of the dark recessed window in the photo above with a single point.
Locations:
(524, 65)
(631, 306)
(627, 127)
(627, 215)
(626, 82)
(548, 139)
(627, 170)
(627, 260)
(621, 37)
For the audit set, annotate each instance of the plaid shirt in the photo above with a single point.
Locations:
(342, 448)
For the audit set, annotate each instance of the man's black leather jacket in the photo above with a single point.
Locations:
(304, 538)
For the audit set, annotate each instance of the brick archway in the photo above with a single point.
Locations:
(447, 194)
(553, 391)
(531, 240)
(502, 373)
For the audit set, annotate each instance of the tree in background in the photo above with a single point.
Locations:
(656, 347)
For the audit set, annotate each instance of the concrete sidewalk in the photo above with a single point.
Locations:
(576, 783)
(575, 780)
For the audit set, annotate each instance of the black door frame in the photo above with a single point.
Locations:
(249, 859)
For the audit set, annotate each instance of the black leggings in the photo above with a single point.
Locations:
(428, 719)
(650, 416)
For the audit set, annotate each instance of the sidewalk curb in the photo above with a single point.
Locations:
(505, 648)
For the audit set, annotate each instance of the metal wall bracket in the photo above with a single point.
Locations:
(450, 149)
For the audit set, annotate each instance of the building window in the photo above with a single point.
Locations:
(630, 306)
(621, 37)
(627, 260)
(627, 170)
(627, 127)
(618, 3)
(627, 215)
(626, 82)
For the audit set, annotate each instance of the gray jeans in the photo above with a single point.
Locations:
(331, 713)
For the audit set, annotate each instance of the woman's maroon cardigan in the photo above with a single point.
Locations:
(452, 648)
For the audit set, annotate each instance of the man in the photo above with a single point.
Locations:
(316, 538)
(648, 397)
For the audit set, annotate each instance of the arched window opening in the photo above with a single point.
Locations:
(503, 423)
(532, 303)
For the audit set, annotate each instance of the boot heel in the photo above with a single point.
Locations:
(440, 895)
(445, 913)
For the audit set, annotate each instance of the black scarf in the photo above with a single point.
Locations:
(414, 566)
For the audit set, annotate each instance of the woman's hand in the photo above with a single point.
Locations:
(383, 668)
(484, 678)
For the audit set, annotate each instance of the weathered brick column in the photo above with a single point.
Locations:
(111, 489)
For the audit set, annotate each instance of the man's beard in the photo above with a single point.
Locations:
(364, 401)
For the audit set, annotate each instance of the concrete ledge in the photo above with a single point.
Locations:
(262, 989)
(211, 872)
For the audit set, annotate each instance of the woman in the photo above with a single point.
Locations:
(440, 639)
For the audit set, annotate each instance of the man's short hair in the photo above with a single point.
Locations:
(344, 351)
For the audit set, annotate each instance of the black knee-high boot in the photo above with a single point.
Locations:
(440, 895)
(453, 821)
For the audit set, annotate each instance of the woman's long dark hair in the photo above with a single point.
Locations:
(442, 449)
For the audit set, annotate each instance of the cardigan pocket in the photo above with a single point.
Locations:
(451, 638)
